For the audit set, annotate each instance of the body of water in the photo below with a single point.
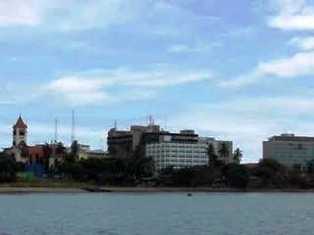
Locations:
(157, 214)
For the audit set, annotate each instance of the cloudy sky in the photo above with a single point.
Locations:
(238, 70)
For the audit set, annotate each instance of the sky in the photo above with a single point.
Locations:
(235, 70)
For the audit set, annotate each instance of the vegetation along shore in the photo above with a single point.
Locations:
(136, 175)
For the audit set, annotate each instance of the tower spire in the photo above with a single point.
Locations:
(19, 132)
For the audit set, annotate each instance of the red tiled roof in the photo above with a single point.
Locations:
(20, 123)
(36, 151)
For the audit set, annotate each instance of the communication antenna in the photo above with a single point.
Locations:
(56, 130)
(150, 120)
(115, 124)
(73, 127)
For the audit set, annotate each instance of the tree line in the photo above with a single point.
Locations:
(137, 170)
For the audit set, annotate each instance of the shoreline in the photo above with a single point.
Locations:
(64, 190)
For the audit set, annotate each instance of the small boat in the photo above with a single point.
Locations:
(96, 190)
(190, 195)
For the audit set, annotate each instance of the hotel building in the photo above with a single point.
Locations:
(290, 150)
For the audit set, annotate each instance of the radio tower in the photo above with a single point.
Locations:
(151, 120)
(73, 127)
(56, 130)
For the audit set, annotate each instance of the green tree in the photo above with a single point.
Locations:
(237, 156)
(272, 173)
(236, 175)
(8, 168)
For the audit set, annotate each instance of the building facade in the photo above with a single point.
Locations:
(290, 150)
(19, 132)
(167, 149)
(177, 155)
(123, 143)
(183, 150)
(19, 149)
(31, 154)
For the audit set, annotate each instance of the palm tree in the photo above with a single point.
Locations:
(223, 151)
(212, 157)
(237, 156)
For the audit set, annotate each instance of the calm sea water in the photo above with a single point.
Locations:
(160, 213)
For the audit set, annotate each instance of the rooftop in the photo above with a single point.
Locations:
(20, 123)
(291, 137)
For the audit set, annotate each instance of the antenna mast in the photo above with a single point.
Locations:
(56, 130)
(151, 120)
(73, 127)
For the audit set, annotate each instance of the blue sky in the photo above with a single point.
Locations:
(236, 70)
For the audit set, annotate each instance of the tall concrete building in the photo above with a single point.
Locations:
(177, 155)
(123, 143)
(185, 149)
(290, 150)
(167, 149)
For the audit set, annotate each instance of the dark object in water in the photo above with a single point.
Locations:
(96, 190)
(190, 195)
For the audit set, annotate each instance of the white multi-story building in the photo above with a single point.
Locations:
(185, 150)
(177, 155)
(290, 150)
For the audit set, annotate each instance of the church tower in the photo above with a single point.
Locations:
(19, 132)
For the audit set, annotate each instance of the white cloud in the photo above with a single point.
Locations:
(249, 121)
(78, 90)
(153, 17)
(77, 15)
(293, 15)
(68, 15)
(305, 43)
(184, 48)
(300, 64)
(15, 12)
(93, 87)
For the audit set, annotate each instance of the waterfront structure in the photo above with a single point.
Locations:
(177, 155)
(20, 150)
(183, 150)
(32, 154)
(290, 150)
(19, 132)
(123, 143)
(167, 149)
